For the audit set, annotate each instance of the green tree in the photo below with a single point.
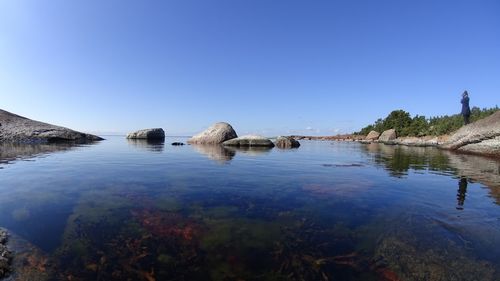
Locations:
(404, 125)
(399, 120)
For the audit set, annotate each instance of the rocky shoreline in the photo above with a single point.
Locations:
(5, 255)
(19, 129)
(480, 138)
(345, 137)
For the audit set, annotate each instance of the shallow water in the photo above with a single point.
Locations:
(122, 210)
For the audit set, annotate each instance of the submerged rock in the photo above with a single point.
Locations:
(3, 236)
(286, 142)
(388, 135)
(481, 137)
(414, 250)
(148, 134)
(250, 140)
(373, 135)
(215, 134)
(5, 255)
(18, 129)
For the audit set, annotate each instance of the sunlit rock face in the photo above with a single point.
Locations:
(215, 134)
(388, 135)
(148, 134)
(481, 137)
(373, 135)
(18, 129)
(250, 141)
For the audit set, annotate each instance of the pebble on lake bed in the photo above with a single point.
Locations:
(5, 255)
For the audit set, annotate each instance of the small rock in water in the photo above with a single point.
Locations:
(249, 141)
(286, 142)
(177, 143)
(149, 134)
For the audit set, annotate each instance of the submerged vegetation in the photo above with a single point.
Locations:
(333, 221)
(419, 125)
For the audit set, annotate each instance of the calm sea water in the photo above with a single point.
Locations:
(122, 210)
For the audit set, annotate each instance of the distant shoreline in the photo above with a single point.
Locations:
(344, 137)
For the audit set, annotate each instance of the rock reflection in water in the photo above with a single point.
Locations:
(149, 145)
(477, 169)
(223, 154)
(398, 160)
(11, 151)
(252, 151)
(215, 152)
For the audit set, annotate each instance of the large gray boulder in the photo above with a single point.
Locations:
(18, 129)
(286, 142)
(388, 136)
(148, 134)
(215, 134)
(373, 135)
(481, 137)
(249, 141)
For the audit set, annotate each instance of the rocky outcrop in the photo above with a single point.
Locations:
(18, 129)
(5, 255)
(249, 141)
(388, 136)
(421, 141)
(480, 137)
(215, 134)
(373, 135)
(148, 134)
(286, 142)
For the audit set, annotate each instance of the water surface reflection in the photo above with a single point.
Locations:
(217, 153)
(11, 151)
(114, 212)
(149, 145)
(400, 160)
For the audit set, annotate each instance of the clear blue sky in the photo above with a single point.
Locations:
(265, 66)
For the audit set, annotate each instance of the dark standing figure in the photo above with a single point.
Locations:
(465, 107)
(462, 190)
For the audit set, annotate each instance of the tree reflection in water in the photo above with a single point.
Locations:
(398, 160)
